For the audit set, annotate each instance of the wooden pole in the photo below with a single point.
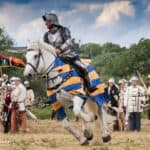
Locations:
(141, 79)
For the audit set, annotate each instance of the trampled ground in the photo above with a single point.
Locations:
(49, 135)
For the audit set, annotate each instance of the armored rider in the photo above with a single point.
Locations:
(60, 37)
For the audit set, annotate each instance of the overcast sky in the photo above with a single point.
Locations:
(119, 21)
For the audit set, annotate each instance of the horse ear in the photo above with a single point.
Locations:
(33, 45)
(48, 47)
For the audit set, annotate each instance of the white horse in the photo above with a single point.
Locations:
(41, 60)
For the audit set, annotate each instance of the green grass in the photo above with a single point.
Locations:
(45, 113)
(42, 113)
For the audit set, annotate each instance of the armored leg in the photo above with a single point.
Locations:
(82, 68)
(73, 59)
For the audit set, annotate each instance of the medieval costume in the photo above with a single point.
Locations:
(133, 102)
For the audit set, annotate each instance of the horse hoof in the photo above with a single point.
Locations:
(106, 138)
(88, 135)
(90, 138)
(84, 141)
(95, 117)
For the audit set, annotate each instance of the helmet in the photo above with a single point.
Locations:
(15, 79)
(121, 81)
(134, 78)
(111, 80)
(26, 82)
(51, 17)
(5, 76)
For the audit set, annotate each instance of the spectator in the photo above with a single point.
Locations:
(1, 102)
(113, 93)
(6, 110)
(134, 99)
(121, 113)
(18, 104)
(6, 81)
(1, 81)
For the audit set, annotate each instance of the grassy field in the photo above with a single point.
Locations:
(49, 135)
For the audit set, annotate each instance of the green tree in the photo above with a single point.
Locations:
(5, 40)
(111, 47)
(124, 62)
(90, 50)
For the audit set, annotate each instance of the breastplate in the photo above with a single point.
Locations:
(55, 39)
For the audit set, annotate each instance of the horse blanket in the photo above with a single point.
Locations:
(73, 83)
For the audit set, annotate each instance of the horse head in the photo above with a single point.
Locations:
(39, 58)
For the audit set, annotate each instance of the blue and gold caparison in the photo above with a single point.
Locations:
(73, 84)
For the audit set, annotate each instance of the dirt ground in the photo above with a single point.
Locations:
(49, 135)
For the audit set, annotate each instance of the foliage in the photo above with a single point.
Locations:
(124, 62)
(5, 41)
(90, 50)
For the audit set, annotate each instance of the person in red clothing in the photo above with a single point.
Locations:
(6, 110)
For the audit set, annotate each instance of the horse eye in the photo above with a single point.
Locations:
(36, 56)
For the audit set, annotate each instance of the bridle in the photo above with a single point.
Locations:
(48, 70)
(35, 68)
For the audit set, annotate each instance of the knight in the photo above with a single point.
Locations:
(60, 37)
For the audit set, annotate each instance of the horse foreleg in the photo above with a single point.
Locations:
(104, 125)
(87, 131)
(75, 132)
(78, 111)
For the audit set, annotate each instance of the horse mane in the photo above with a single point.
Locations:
(36, 45)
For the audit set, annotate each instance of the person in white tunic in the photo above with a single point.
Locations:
(133, 101)
(18, 101)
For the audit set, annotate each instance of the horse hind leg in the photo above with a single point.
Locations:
(91, 106)
(78, 111)
(75, 132)
(100, 125)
